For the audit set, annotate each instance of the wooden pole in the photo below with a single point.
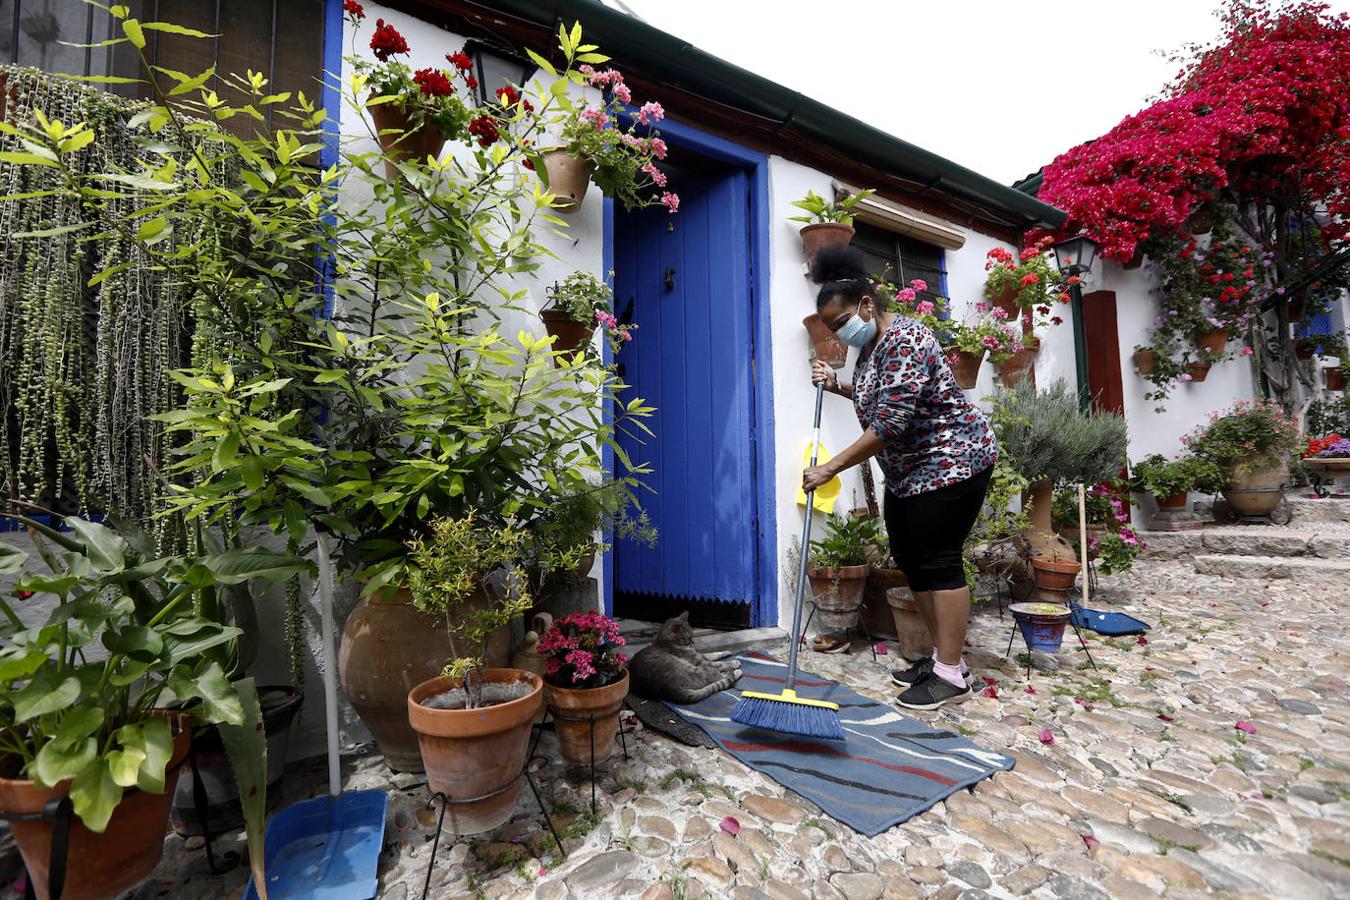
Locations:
(1082, 537)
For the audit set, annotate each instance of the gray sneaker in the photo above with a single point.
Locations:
(933, 692)
(907, 678)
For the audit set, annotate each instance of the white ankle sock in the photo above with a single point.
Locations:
(950, 674)
(964, 668)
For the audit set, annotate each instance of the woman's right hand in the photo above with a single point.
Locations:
(822, 373)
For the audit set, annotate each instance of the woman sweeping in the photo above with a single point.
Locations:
(935, 449)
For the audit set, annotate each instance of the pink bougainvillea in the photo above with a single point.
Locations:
(582, 650)
(1264, 111)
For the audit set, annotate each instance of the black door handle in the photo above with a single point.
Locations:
(670, 278)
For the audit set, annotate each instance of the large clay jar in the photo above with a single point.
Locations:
(824, 234)
(876, 614)
(400, 141)
(915, 641)
(97, 865)
(965, 366)
(1257, 493)
(568, 334)
(838, 594)
(573, 709)
(476, 752)
(388, 648)
(568, 178)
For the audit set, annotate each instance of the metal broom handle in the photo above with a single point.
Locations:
(790, 683)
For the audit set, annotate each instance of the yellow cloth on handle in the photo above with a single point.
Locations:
(827, 493)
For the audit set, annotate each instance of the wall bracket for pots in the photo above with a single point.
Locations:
(58, 811)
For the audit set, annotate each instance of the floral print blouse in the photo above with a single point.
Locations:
(905, 392)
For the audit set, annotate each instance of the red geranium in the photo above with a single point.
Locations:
(433, 83)
(460, 60)
(485, 129)
(353, 9)
(386, 41)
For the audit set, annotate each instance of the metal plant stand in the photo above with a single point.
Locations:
(623, 740)
(860, 626)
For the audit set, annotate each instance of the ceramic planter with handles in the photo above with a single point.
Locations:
(476, 756)
(97, 865)
(1256, 493)
(573, 710)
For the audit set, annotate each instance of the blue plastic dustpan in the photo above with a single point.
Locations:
(327, 848)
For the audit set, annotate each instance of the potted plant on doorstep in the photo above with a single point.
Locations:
(1251, 444)
(829, 222)
(577, 304)
(596, 146)
(585, 683)
(85, 718)
(472, 722)
(838, 568)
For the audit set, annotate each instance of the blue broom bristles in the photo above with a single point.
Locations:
(788, 717)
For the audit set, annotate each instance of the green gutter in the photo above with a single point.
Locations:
(682, 65)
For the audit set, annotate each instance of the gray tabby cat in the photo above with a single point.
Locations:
(671, 669)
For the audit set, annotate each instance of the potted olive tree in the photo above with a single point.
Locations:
(829, 222)
(472, 721)
(100, 698)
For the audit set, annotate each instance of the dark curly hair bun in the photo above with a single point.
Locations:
(839, 262)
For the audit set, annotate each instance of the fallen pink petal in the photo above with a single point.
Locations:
(731, 826)
(1245, 726)
(1165, 717)
(881, 649)
(1090, 842)
(1047, 737)
(1030, 690)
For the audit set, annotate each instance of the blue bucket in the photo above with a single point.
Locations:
(1041, 624)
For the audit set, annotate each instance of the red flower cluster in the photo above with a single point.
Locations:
(485, 129)
(353, 9)
(433, 83)
(1317, 445)
(508, 96)
(582, 649)
(1268, 107)
(386, 41)
(460, 60)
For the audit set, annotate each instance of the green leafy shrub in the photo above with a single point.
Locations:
(1163, 478)
(847, 542)
(1047, 437)
(1249, 436)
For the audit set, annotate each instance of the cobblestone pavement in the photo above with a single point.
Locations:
(1148, 788)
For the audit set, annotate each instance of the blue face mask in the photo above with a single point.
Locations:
(855, 332)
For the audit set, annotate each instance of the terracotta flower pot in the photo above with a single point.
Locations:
(1014, 370)
(1054, 577)
(965, 366)
(568, 333)
(1303, 352)
(1256, 493)
(824, 234)
(1145, 360)
(388, 648)
(97, 865)
(1006, 300)
(1176, 501)
(838, 594)
(1212, 342)
(401, 141)
(1198, 371)
(572, 710)
(1335, 378)
(569, 176)
(829, 349)
(476, 752)
(915, 641)
(876, 611)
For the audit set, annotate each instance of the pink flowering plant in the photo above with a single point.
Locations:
(1029, 279)
(623, 159)
(1113, 544)
(987, 331)
(589, 301)
(1249, 436)
(581, 650)
(913, 301)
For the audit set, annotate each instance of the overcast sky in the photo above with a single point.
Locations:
(999, 87)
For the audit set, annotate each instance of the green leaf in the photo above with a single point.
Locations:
(219, 701)
(246, 744)
(51, 232)
(188, 647)
(251, 471)
(226, 452)
(62, 759)
(37, 698)
(542, 63)
(12, 559)
(156, 742)
(138, 641)
(95, 795)
(25, 159)
(124, 765)
(132, 29)
(239, 565)
(106, 79)
(105, 548)
(21, 664)
(152, 229)
(170, 28)
(80, 723)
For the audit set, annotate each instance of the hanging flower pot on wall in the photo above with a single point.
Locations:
(568, 333)
(569, 177)
(828, 347)
(1013, 370)
(824, 234)
(1212, 342)
(965, 366)
(1198, 370)
(1006, 300)
(400, 139)
(1145, 359)
(1335, 378)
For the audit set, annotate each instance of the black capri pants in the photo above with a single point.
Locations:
(928, 531)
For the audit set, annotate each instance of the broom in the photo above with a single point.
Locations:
(786, 712)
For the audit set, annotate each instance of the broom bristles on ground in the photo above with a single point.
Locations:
(788, 717)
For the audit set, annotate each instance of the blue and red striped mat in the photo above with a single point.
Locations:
(889, 768)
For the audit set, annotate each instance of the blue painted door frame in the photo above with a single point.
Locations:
(764, 604)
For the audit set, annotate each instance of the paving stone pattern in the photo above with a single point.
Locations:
(1148, 788)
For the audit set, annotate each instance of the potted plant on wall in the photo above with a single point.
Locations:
(1337, 376)
(93, 729)
(577, 304)
(1251, 444)
(829, 222)
(838, 569)
(472, 722)
(1026, 282)
(1330, 454)
(585, 683)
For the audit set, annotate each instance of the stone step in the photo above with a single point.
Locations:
(1270, 567)
(1308, 510)
(1329, 542)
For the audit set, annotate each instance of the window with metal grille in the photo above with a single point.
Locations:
(899, 259)
(282, 38)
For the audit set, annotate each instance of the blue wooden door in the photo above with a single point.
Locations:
(684, 280)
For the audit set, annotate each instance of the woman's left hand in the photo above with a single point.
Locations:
(815, 476)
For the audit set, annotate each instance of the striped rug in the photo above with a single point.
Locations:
(890, 768)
